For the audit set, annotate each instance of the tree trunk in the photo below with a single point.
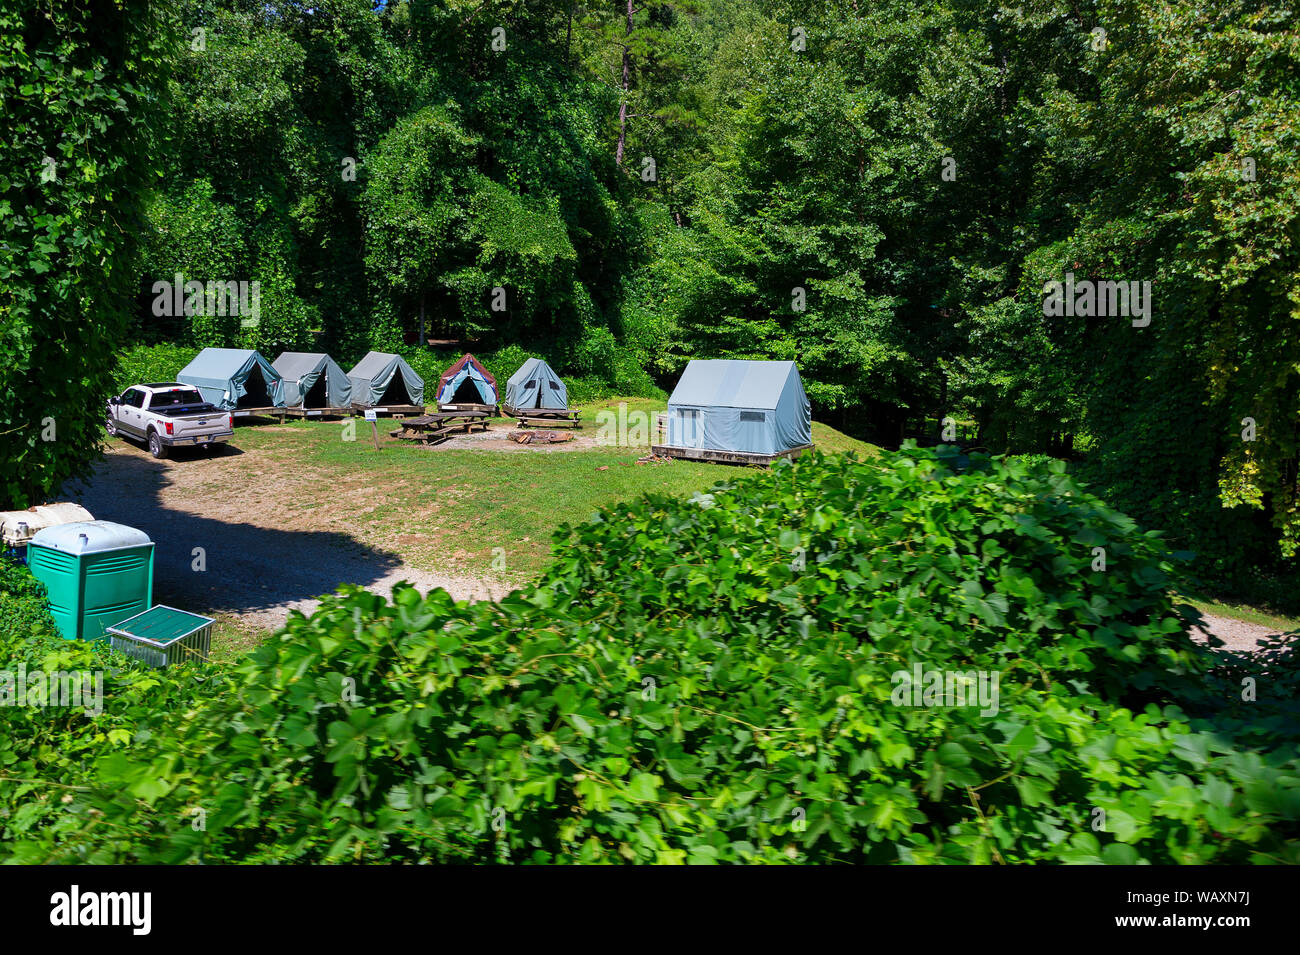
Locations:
(422, 339)
(568, 40)
(627, 82)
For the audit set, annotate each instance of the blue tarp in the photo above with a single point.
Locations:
(732, 405)
(468, 369)
(233, 378)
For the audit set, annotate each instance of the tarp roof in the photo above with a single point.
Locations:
(733, 383)
(298, 364)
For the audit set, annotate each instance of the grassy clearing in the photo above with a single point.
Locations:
(449, 510)
(231, 638)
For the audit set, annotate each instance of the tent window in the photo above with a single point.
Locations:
(689, 414)
(555, 385)
(752, 416)
(529, 385)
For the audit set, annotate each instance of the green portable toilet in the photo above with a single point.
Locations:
(97, 573)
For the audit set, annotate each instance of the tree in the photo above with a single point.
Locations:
(78, 84)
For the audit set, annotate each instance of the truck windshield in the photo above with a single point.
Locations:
(173, 399)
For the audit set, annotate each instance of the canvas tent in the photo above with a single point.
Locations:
(234, 378)
(757, 407)
(383, 379)
(313, 380)
(535, 385)
(467, 382)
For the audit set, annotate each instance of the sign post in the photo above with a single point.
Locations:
(373, 417)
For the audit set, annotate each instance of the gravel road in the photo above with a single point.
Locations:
(232, 536)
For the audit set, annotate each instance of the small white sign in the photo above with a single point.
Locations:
(371, 414)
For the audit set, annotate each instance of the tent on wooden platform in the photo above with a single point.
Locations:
(756, 407)
(313, 380)
(384, 379)
(234, 378)
(536, 387)
(467, 382)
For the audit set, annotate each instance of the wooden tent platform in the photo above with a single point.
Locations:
(727, 457)
(394, 411)
(435, 428)
(267, 412)
(315, 412)
(491, 410)
(546, 417)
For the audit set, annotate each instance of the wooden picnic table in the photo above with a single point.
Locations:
(438, 426)
(546, 417)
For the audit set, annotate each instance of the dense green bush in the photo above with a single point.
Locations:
(711, 680)
(145, 363)
(23, 609)
(80, 85)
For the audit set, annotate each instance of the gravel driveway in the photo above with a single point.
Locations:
(232, 537)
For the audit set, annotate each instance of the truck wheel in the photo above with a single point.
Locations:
(111, 427)
(156, 447)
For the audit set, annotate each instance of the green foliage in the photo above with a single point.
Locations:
(78, 85)
(23, 609)
(681, 687)
(146, 363)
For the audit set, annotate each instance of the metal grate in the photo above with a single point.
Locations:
(162, 636)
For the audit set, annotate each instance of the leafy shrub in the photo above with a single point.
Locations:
(23, 609)
(713, 680)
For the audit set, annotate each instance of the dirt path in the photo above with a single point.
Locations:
(240, 534)
(1237, 635)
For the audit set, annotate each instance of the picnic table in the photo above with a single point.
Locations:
(546, 417)
(441, 425)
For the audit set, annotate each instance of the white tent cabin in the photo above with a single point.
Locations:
(744, 412)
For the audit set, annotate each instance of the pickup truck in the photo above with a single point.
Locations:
(167, 415)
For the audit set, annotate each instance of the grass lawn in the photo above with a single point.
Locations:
(448, 510)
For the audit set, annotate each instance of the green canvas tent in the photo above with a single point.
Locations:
(313, 380)
(536, 386)
(234, 378)
(384, 379)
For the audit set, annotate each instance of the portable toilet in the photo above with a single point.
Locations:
(96, 573)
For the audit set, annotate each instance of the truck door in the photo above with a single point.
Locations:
(132, 409)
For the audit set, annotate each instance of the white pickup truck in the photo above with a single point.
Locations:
(167, 415)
